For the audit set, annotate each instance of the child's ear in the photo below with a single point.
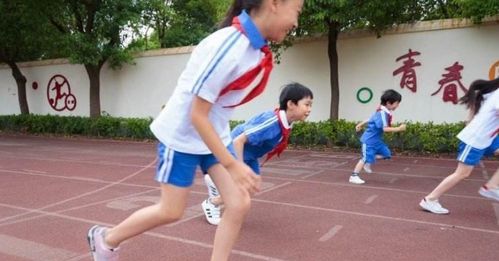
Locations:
(290, 103)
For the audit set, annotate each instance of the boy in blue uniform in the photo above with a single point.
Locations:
(265, 133)
(373, 145)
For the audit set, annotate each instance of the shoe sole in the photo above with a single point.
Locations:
(357, 183)
(428, 210)
(486, 195)
(91, 241)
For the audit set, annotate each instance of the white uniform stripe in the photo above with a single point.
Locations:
(465, 153)
(164, 171)
(364, 152)
(263, 125)
(219, 55)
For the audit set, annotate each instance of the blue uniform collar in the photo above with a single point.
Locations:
(251, 31)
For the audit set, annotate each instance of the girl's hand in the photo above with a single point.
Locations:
(244, 176)
(402, 127)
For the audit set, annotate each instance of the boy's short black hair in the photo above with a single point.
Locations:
(390, 96)
(293, 92)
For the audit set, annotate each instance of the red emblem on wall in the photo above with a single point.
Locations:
(59, 94)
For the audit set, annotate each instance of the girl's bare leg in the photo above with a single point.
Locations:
(462, 171)
(237, 203)
(493, 182)
(169, 209)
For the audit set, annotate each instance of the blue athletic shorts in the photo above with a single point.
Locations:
(472, 156)
(179, 169)
(490, 151)
(369, 152)
(254, 165)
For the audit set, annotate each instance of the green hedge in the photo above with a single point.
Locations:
(106, 127)
(419, 137)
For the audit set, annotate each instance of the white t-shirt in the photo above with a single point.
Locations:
(479, 133)
(218, 60)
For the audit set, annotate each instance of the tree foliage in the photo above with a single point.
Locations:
(178, 22)
(95, 31)
(478, 9)
(24, 36)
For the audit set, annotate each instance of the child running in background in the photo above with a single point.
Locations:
(373, 145)
(265, 133)
(477, 139)
(228, 68)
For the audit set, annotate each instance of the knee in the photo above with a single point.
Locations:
(166, 215)
(238, 205)
(463, 174)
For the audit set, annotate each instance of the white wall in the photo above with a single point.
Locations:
(364, 61)
(369, 61)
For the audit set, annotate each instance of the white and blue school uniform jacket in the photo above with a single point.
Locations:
(217, 61)
(263, 133)
(482, 129)
(373, 135)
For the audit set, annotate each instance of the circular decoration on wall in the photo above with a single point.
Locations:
(494, 71)
(34, 85)
(59, 94)
(364, 95)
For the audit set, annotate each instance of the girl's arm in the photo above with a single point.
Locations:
(242, 174)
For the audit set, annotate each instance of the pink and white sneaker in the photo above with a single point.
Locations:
(100, 252)
(489, 193)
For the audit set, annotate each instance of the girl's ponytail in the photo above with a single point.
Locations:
(474, 97)
(237, 7)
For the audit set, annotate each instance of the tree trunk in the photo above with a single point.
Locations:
(93, 72)
(21, 87)
(332, 51)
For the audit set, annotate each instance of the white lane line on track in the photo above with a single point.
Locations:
(31, 250)
(153, 234)
(84, 194)
(346, 212)
(273, 188)
(331, 233)
(370, 199)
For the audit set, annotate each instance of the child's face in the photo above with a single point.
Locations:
(392, 106)
(286, 14)
(300, 111)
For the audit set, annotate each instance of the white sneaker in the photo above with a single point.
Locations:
(356, 180)
(211, 212)
(98, 249)
(433, 206)
(212, 189)
(489, 193)
(367, 168)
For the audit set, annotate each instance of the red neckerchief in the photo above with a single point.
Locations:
(247, 78)
(384, 109)
(495, 132)
(283, 144)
